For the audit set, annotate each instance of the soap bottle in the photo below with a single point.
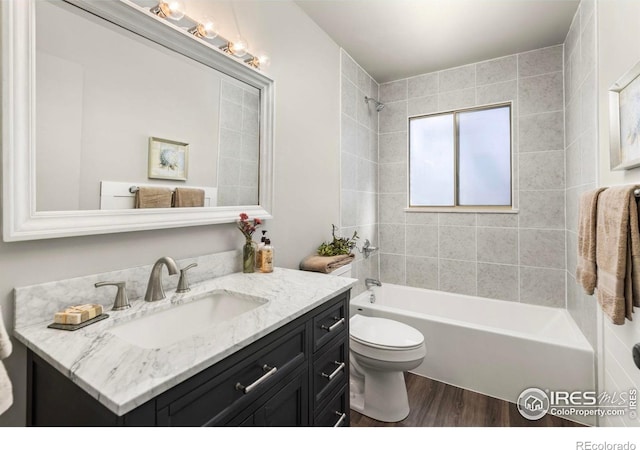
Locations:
(258, 255)
(266, 257)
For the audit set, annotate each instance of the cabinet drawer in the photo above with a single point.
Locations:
(216, 399)
(336, 413)
(331, 322)
(330, 369)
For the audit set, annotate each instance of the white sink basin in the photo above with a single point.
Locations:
(164, 328)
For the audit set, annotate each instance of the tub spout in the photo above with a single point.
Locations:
(368, 282)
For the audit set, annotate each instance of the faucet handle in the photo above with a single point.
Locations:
(122, 301)
(183, 283)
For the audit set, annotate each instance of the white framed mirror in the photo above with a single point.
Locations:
(73, 135)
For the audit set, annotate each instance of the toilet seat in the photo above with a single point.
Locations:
(384, 334)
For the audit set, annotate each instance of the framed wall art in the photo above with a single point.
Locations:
(168, 160)
(624, 117)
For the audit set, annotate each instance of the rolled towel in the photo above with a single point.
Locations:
(325, 264)
(153, 197)
(188, 197)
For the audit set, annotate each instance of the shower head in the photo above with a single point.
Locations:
(379, 105)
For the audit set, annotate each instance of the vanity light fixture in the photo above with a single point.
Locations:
(206, 29)
(170, 9)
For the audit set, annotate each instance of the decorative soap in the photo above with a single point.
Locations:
(78, 314)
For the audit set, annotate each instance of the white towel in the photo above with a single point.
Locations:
(6, 390)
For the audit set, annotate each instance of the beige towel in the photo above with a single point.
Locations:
(586, 269)
(153, 197)
(325, 264)
(6, 390)
(188, 197)
(618, 253)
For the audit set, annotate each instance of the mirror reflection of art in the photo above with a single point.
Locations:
(168, 160)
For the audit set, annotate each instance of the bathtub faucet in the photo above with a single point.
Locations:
(368, 282)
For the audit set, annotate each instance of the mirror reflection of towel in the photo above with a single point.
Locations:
(153, 197)
(188, 197)
(6, 390)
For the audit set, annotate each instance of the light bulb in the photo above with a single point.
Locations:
(170, 9)
(263, 59)
(207, 28)
(238, 47)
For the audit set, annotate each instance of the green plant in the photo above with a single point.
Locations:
(339, 245)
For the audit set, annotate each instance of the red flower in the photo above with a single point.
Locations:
(247, 228)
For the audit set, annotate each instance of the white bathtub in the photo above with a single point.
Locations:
(493, 347)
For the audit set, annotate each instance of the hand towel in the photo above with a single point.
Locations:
(153, 197)
(188, 197)
(587, 218)
(325, 264)
(6, 390)
(618, 253)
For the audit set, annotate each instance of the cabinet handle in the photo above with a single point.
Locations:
(343, 416)
(246, 389)
(339, 322)
(335, 372)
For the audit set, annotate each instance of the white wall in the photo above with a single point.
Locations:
(618, 51)
(305, 65)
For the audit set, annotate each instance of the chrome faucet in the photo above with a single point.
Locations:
(368, 282)
(155, 291)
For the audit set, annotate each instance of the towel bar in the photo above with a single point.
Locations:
(134, 189)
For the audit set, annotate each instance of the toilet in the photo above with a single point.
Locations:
(380, 351)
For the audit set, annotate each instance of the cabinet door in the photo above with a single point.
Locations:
(289, 407)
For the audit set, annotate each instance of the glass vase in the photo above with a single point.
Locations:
(249, 257)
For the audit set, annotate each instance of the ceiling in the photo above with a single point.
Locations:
(393, 39)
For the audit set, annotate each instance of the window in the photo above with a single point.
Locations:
(461, 158)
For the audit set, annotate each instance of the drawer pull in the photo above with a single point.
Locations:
(343, 416)
(333, 374)
(339, 322)
(246, 389)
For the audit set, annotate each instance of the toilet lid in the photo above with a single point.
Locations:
(381, 332)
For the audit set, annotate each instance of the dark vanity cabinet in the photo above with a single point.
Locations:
(297, 375)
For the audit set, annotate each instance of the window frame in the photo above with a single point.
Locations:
(456, 207)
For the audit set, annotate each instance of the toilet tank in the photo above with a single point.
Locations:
(344, 271)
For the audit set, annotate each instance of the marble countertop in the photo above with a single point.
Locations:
(122, 376)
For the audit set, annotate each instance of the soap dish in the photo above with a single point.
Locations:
(73, 327)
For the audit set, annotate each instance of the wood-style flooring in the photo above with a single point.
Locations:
(436, 404)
